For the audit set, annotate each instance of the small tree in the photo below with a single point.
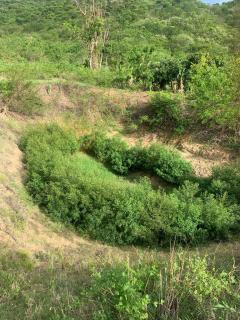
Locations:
(214, 90)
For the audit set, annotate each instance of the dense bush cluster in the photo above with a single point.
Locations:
(214, 91)
(226, 180)
(20, 95)
(212, 99)
(158, 159)
(76, 189)
(167, 111)
(183, 288)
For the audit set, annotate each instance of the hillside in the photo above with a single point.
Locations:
(54, 39)
(119, 160)
(45, 250)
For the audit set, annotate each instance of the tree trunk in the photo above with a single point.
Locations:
(94, 15)
(181, 86)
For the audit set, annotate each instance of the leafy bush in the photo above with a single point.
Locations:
(79, 190)
(183, 288)
(215, 93)
(20, 96)
(167, 164)
(218, 217)
(49, 137)
(74, 188)
(187, 218)
(164, 162)
(227, 180)
(168, 112)
(113, 152)
(182, 213)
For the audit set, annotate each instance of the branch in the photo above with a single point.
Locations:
(78, 5)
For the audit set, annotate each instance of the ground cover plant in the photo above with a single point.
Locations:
(74, 188)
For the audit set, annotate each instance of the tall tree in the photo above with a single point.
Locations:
(96, 30)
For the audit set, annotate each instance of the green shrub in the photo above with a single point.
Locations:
(182, 214)
(103, 205)
(50, 136)
(164, 162)
(227, 180)
(74, 188)
(113, 152)
(20, 96)
(167, 164)
(214, 89)
(187, 218)
(218, 217)
(183, 288)
(168, 112)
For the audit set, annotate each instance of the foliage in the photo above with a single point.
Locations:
(80, 191)
(183, 288)
(213, 88)
(54, 35)
(52, 295)
(52, 137)
(226, 180)
(164, 162)
(113, 152)
(166, 111)
(187, 217)
(167, 164)
(136, 71)
(177, 287)
(76, 189)
(19, 95)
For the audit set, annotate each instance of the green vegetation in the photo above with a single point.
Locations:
(167, 112)
(185, 55)
(165, 163)
(181, 286)
(20, 95)
(214, 88)
(76, 189)
(226, 180)
(183, 47)
(211, 100)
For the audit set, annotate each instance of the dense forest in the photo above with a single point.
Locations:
(119, 160)
(165, 35)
